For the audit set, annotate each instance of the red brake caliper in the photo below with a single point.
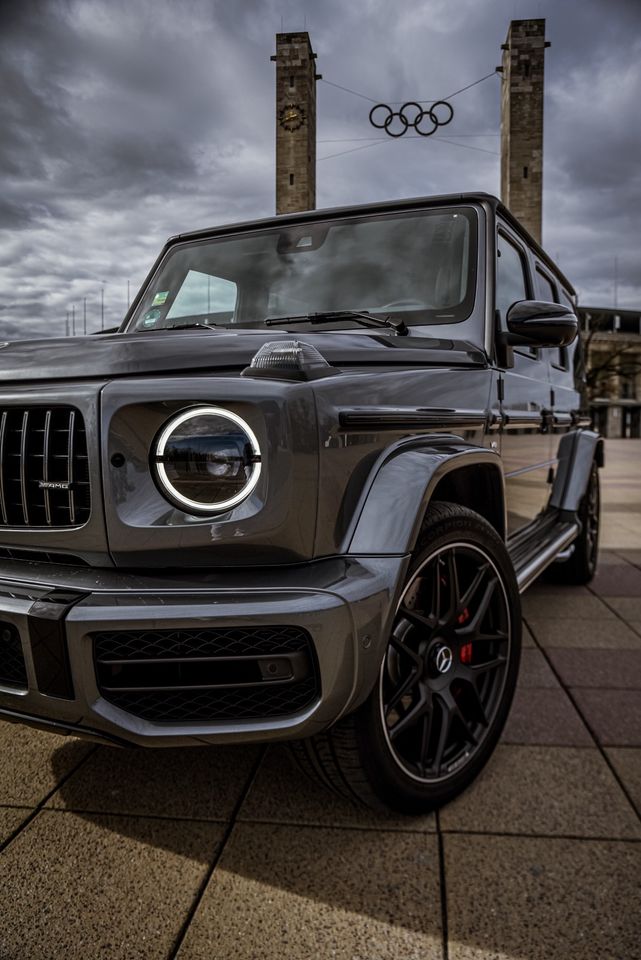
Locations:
(465, 652)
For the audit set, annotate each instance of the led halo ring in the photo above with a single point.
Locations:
(195, 505)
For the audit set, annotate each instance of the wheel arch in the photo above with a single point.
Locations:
(411, 475)
(576, 454)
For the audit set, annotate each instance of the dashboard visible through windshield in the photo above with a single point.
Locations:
(418, 266)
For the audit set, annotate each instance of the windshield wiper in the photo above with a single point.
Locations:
(189, 326)
(328, 316)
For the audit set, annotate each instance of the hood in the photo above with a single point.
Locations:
(126, 355)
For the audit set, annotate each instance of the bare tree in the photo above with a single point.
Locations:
(611, 359)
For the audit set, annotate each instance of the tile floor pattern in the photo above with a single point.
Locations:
(230, 853)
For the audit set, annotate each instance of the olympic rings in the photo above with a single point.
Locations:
(412, 114)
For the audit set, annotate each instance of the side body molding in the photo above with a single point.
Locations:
(577, 451)
(390, 513)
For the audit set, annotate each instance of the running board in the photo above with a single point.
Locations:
(544, 550)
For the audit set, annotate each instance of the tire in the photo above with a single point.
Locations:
(581, 565)
(446, 680)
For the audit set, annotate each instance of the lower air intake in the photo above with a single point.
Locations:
(12, 666)
(217, 674)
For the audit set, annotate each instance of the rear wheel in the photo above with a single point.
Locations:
(446, 680)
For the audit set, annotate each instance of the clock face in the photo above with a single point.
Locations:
(292, 116)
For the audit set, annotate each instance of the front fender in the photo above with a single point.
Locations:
(390, 512)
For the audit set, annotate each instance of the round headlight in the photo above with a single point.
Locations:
(207, 459)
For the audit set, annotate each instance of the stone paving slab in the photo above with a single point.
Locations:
(617, 580)
(632, 556)
(281, 793)
(560, 791)
(518, 898)
(10, 820)
(27, 773)
(613, 715)
(80, 888)
(627, 763)
(527, 640)
(196, 783)
(535, 671)
(301, 892)
(618, 669)
(610, 634)
(542, 716)
(564, 606)
(627, 607)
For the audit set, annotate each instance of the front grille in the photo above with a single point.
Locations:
(44, 470)
(12, 666)
(224, 674)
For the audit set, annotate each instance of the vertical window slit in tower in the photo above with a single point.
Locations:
(291, 83)
(291, 179)
(525, 173)
(526, 68)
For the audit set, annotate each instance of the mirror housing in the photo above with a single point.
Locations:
(534, 323)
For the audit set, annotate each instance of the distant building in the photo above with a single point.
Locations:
(612, 339)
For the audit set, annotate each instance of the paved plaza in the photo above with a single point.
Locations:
(231, 853)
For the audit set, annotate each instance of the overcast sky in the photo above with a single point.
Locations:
(125, 121)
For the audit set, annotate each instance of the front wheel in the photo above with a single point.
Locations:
(446, 680)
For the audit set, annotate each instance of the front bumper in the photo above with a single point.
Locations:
(53, 612)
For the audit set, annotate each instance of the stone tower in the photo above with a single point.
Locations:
(522, 122)
(295, 123)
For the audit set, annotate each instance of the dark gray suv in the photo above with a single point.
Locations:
(296, 496)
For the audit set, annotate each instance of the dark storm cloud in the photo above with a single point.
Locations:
(124, 122)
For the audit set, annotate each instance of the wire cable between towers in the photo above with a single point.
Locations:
(364, 96)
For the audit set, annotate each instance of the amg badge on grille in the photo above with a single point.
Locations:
(54, 485)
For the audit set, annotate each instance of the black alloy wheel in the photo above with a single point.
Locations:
(445, 668)
(446, 680)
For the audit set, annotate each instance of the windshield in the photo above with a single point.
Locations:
(419, 266)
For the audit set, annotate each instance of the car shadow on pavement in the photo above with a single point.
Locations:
(290, 838)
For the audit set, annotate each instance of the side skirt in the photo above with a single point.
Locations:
(534, 549)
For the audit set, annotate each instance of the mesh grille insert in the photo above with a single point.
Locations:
(213, 674)
(12, 666)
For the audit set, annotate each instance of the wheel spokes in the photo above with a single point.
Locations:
(402, 691)
(436, 713)
(469, 594)
(477, 619)
(418, 619)
(480, 668)
(409, 719)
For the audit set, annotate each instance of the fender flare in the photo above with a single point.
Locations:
(389, 515)
(577, 452)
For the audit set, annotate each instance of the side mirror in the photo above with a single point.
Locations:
(538, 324)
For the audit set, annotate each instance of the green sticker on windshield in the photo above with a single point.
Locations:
(160, 298)
(151, 318)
